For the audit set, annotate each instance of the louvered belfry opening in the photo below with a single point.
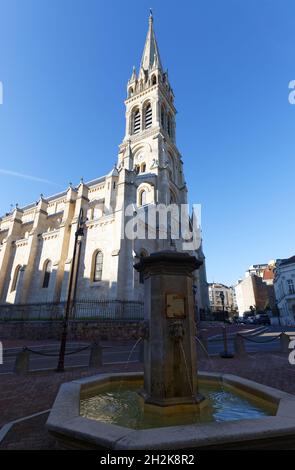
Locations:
(136, 122)
(148, 116)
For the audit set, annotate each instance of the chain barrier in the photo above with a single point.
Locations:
(40, 353)
(260, 342)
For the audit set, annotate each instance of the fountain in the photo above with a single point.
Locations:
(170, 406)
(170, 380)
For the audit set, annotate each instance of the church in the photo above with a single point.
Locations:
(37, 241)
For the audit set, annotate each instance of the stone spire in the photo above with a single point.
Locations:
(133, 77)
(151, 53)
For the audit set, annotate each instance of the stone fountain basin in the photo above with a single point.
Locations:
(269, 432)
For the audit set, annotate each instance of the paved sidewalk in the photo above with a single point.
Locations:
(23, 396)
(271, 369)
(216, 329)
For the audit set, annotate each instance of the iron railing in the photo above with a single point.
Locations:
(104, 310)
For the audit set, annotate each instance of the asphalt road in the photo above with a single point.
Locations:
(120, 354)
(259, 340)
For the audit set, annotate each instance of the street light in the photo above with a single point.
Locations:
(71, 290)
(222, 302)
(225, 354)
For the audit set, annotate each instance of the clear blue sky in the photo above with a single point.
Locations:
(64, 65)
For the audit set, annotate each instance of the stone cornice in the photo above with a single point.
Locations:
(141, 94)
(21, 242)
(52, 234)
(100, 222)
(83, 197)
(41, 211)
(134, 138)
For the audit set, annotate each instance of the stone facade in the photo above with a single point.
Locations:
(252, 292)
(37, 241)
(284, 284)
(256, 289)
(78, 330)
(230, 303)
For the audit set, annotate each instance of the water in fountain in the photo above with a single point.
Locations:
(125, 408)
(128, 360)
(203, 347)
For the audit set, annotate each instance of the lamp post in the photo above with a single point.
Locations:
(225, 354)
(222, 302)
(71, 290)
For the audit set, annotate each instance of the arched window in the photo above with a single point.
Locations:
(142, 198)
(136, 122)
(143, 168)
(15, 278)
(130, 92)
(97, 266)
(154, 80)
(172, 197)
(148, 116)
(47, 273)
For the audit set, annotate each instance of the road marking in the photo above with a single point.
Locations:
(121, 362)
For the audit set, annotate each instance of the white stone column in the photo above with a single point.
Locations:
(6, 250)
(39, 225)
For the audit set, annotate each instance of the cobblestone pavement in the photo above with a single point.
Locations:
(24, 396)
(209, 329)
(266, 368)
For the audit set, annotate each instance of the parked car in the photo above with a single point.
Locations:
(262, 319)
(249, 320)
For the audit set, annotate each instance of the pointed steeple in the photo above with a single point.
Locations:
(133, 77)
(151, 53)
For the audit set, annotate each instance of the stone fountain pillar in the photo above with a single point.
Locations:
(170, 366)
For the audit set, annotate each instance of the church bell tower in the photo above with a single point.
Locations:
(149, 146)
(150, 167)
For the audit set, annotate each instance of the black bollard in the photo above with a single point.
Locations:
(239, 345)
(22, 362)
(225, 354)
(95, 359)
